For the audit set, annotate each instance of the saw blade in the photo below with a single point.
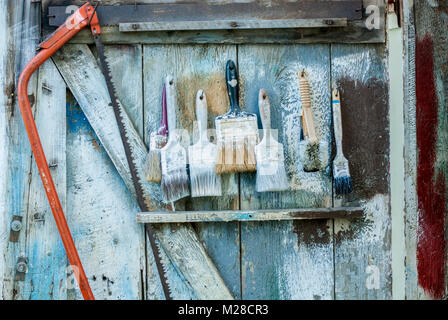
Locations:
(118, 111)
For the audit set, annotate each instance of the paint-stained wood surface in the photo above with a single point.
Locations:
(431, 87)
(294, 259)
(248, 215)
(314, 259)
(362, 247)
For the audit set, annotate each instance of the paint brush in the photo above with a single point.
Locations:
(313, 153)
(202, 156)
(236, 131)
(158, 139)
(341, 172)
(271, 173)
(173, 156)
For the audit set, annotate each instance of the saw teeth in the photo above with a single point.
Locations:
(135, 174)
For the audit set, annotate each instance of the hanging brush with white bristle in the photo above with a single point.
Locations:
(175, 183)
(202, 156)
(271, 173)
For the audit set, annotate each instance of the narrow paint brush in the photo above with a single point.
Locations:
(153, 170)
(313, 153)
(341, 172)
(271, 173)
(236, 131)
(173, 156)
(202, 156)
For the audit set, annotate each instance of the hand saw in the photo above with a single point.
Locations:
(83, 17)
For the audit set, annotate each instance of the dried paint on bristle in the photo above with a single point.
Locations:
(313, 155)
(204, 181)
(273, 182)
(153, 169)
(236, 156)
(343, 185)
(175, 186)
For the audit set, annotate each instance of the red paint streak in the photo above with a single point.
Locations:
(430, 189)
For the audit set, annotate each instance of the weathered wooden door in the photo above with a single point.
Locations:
(314, 259)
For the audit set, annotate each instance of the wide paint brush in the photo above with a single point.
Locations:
(158, 139)
(236, 131)
(271, 173)
(202, 156)
(175, 184)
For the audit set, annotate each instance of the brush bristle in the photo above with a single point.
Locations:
(175, 185)
(237, 155)
(204, 181)
(343, 185)
(313, 155)
(272, 179)
(342, 179)
(153, 170)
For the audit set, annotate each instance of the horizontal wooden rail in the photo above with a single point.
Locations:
(233, 24)
(248, 215)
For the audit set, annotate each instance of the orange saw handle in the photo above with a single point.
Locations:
(84, 16)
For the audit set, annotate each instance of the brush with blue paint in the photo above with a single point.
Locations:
(341, 172)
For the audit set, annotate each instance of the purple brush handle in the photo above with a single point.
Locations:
(163, 130)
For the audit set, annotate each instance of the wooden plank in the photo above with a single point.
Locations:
(167, 12)
(232, 24)
(363, 246)
(194, 68)
(412, 291)
(4, 145)
(287, 260)
(431, 87)
(99, 208)
(22, 34)
(182, 246)
(248, 215)
(355, 32)
(46, 278)
(99, 204)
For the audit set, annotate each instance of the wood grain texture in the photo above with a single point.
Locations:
(82, 75)
(412, 291)
(194, 68)
(431, 78)
(4, 145)
(22, 34)
(362, 247)
(100, 206)
(287, 260)
(247, 215)
(46, 278)
(167, 12)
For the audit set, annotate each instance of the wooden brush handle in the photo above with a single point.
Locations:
(233, 86)
(264, 106)
(163, 130)
(201, 114)
(171, 104)
(309, 128)
(337, 121)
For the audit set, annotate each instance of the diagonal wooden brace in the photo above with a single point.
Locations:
(83, 76)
